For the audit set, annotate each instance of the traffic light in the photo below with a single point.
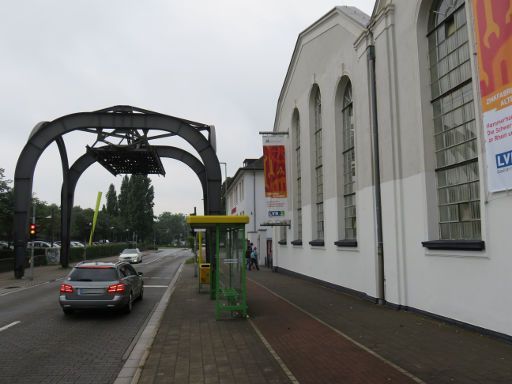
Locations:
(32, 230)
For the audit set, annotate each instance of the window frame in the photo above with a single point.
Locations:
(317, 167)
(296, 138)
(450, 58)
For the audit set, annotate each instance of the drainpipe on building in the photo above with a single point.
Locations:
(376, 172)
(254, 199)
(257, 240)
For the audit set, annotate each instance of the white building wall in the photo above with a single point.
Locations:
(325, 54)
(468, 286)
(252, 204)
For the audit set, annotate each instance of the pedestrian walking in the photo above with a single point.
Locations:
(248, 253)
(254, 259)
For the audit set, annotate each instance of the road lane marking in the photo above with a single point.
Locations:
(153, 261)
(9, 326)
(155, 286)
(363, 347)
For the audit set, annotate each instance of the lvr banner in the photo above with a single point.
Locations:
(493, 25)
(274, 168)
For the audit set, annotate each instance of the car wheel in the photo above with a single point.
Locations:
(129, 306)
(67, 311)
(141, 295)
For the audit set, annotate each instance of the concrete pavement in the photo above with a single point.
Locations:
(298, 332)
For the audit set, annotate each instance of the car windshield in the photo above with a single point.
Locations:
(93, 274)
(129, 251)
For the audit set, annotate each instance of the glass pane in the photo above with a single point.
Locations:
(320, 221)
(454, 125)
(299, 224)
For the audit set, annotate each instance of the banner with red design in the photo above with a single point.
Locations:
(274, 169)
(493, 26)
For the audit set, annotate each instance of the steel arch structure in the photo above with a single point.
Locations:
(125, 122)
(85, 161)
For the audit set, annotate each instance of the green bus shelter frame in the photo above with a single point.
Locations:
(228, 280)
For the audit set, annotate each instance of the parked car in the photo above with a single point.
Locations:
(101, 285)
(132, 255)
(42, 244)
(72, 244)
(5, 245)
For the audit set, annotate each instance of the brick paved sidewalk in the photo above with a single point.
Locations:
(313, 352)
(433, 351)
(319, 335)
(192, 347)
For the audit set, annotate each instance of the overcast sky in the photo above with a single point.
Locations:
(219, 62)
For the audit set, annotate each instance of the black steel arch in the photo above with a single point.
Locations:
(119, 118)
(86, 160)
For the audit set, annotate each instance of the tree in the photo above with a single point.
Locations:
(140, 206)
(135, 204)
(6, 207)
(124, 211)
(112, 203)
(171, 227)
(81, 222)
(48, 220)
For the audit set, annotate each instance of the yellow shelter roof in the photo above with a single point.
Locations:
(199, 221)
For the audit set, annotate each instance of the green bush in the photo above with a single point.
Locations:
(6, 260)
(97, 251)
(6, 254)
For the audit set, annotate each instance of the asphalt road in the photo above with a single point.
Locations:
(42, 345)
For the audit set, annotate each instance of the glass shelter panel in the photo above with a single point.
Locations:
(230, 287)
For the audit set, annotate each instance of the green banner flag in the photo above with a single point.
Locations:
(98, 200)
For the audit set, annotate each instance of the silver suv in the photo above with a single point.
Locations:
(97, 284)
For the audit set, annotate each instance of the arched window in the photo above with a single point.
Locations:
(298, 174)
(455, 136)
(349, 165)
(318, 197)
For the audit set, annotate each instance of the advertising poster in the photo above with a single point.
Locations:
(493, 26)
(274, 169)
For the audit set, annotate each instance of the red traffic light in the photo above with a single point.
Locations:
(32, 229)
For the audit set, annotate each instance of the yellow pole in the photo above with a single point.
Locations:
(98, 200)
(200, 247)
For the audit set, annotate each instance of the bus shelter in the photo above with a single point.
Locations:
(227, 245)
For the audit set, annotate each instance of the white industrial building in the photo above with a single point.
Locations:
(245, 196)
(405, 81)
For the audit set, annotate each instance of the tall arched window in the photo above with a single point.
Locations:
(455, 136)
(298, 174)
(317, 163)
(349, 165)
